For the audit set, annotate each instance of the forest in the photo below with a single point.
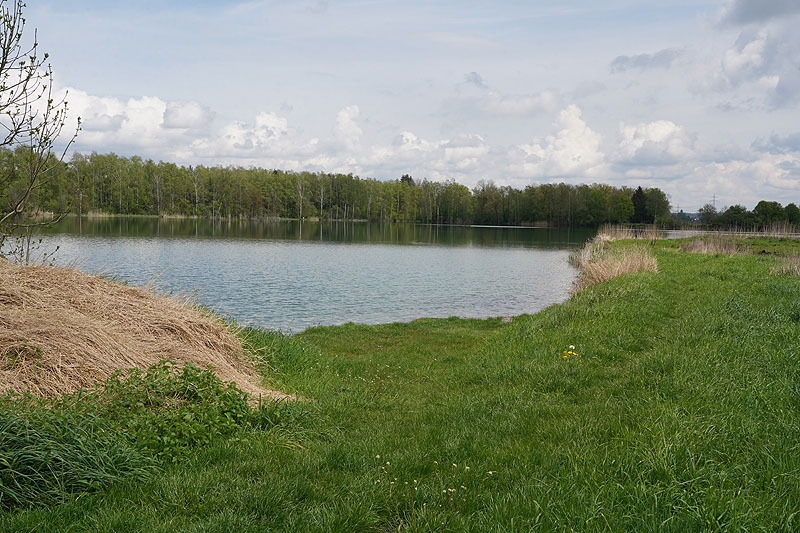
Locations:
(112, 184)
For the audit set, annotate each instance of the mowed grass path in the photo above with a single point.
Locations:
(682, 413)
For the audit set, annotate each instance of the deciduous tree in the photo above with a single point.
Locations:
(31, 119)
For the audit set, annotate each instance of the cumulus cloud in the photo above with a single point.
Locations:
(760, 68)
(465, 151)
(661, 59)
(102, 122)
(111, 123)
(752, 180)
(267, 137)
(186, 115)
(573, 151)
(755, 11)
(347, 130)
(141, 125)
(746, 59)
(661, 142)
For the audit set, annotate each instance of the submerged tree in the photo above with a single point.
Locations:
(32, 120)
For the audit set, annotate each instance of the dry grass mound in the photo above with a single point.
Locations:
(61, 330)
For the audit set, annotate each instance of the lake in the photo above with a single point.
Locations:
(290, 275)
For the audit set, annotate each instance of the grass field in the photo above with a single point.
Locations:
(677, 410)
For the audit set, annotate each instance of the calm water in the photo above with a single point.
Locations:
(290, 276)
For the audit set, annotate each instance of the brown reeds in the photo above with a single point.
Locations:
(62, 330)
(597, 263)
(716, 243)
(617, 232)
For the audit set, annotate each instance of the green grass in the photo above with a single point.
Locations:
(682, 413)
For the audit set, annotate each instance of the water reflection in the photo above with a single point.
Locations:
(327, 231)
(291, 275)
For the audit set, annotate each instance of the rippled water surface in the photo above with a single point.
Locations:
(283, 276)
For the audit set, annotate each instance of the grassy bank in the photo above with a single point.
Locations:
(678, 413)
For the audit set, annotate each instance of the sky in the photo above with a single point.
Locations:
(698, 98)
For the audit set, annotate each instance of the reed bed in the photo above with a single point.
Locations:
(617, 232)
(712, 244)
(598, 263)
(63, 330)
(611, 265)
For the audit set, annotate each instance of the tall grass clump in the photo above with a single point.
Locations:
(788, 266)
(716, 243)
(618, 232)
(780, 229)
(48, 456)
(598, 262)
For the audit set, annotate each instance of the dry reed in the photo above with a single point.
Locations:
(62, 330)
(788, 266)
(610, 265)
(597, 263)
(712, 244)
(617, 232)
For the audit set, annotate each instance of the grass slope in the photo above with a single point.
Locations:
(680, 414)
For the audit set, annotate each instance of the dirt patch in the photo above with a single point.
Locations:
(62, 330)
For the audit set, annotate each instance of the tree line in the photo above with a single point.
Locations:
(764, 214)
(112, 184)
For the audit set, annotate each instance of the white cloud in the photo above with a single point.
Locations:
(103, 122)
(186, 115)
(745, 59)
(759, 69)
(464, 152)
(661, 142)
(347, 130)
(574, 151)
(110, 123)
(745, 182)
